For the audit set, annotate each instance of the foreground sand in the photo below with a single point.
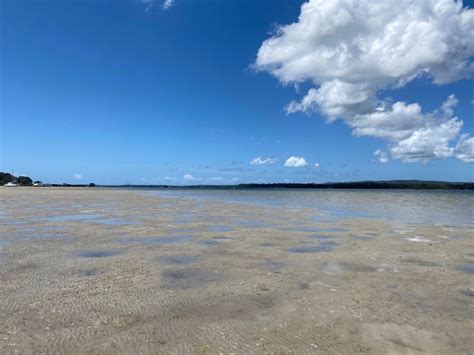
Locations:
(127, 272)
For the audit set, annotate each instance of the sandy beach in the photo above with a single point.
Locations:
(104, 271)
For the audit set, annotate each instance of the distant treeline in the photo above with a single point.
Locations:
(71, 185)
(397, 184)
(393, 184)
(5, 178)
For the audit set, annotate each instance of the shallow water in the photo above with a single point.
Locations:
(44, 236)
(188, 278)
(419, 262)
(447, 207)
(362, 237)
(209, 242)
(313, 229)
(97, 253)
(89, 273)
(179, 260)
(114, 222)
(220, 228)
(321, 237)
(339, 267)
(466, 268)
(75, 217)
(323, 247)
(273, 265)
(162, 286)
(155, 240)
(467, 293)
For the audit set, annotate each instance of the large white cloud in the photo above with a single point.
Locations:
(352, 49)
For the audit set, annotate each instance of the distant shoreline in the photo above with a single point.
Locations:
(395, 185)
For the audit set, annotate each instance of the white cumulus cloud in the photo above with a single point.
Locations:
(465, 149)
(381, 156)
(168, 4)
(352, 50)
(296, 162)
(77, 176)
(150, 3)
(189, 177)
(262, 161)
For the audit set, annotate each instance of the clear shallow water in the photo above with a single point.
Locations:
(441, 207)
(156, 240)
(323, 247)
(94, 218)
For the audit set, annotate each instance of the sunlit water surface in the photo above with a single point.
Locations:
(440, 207)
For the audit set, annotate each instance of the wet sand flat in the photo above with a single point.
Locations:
(106, 271)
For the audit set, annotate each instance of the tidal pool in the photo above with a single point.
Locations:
(75, 217)
(323, 247)
(220, 228)
(319, 229)
(89, 273)
(419, 262)
(188, 278)
(155, 240)
(97, 253)
(322, 237)
(466, 268)
(209, 242)
(179, 260)
(338, 267)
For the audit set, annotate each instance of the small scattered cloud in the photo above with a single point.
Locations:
(316, 165)
(148, 4)
(167, 4)
(217, 178)
(235, 179)
(77, 176)
(189, 177)
(381, 156)
(296, 162)
(262, 161)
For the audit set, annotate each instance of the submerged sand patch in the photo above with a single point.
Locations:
(143, 274)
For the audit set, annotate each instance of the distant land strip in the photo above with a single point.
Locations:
(395, 184)
(386, 184)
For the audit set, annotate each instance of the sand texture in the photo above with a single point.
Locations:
(105, 271)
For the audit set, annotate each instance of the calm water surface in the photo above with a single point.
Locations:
(441, 207)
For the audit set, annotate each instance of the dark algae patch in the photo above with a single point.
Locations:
(156, 240)
(466, 268)
(97, 253)
(179, 260)
(419, 262)
(323, 247)
(188, 278)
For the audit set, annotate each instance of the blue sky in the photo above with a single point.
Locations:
(125, 91)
